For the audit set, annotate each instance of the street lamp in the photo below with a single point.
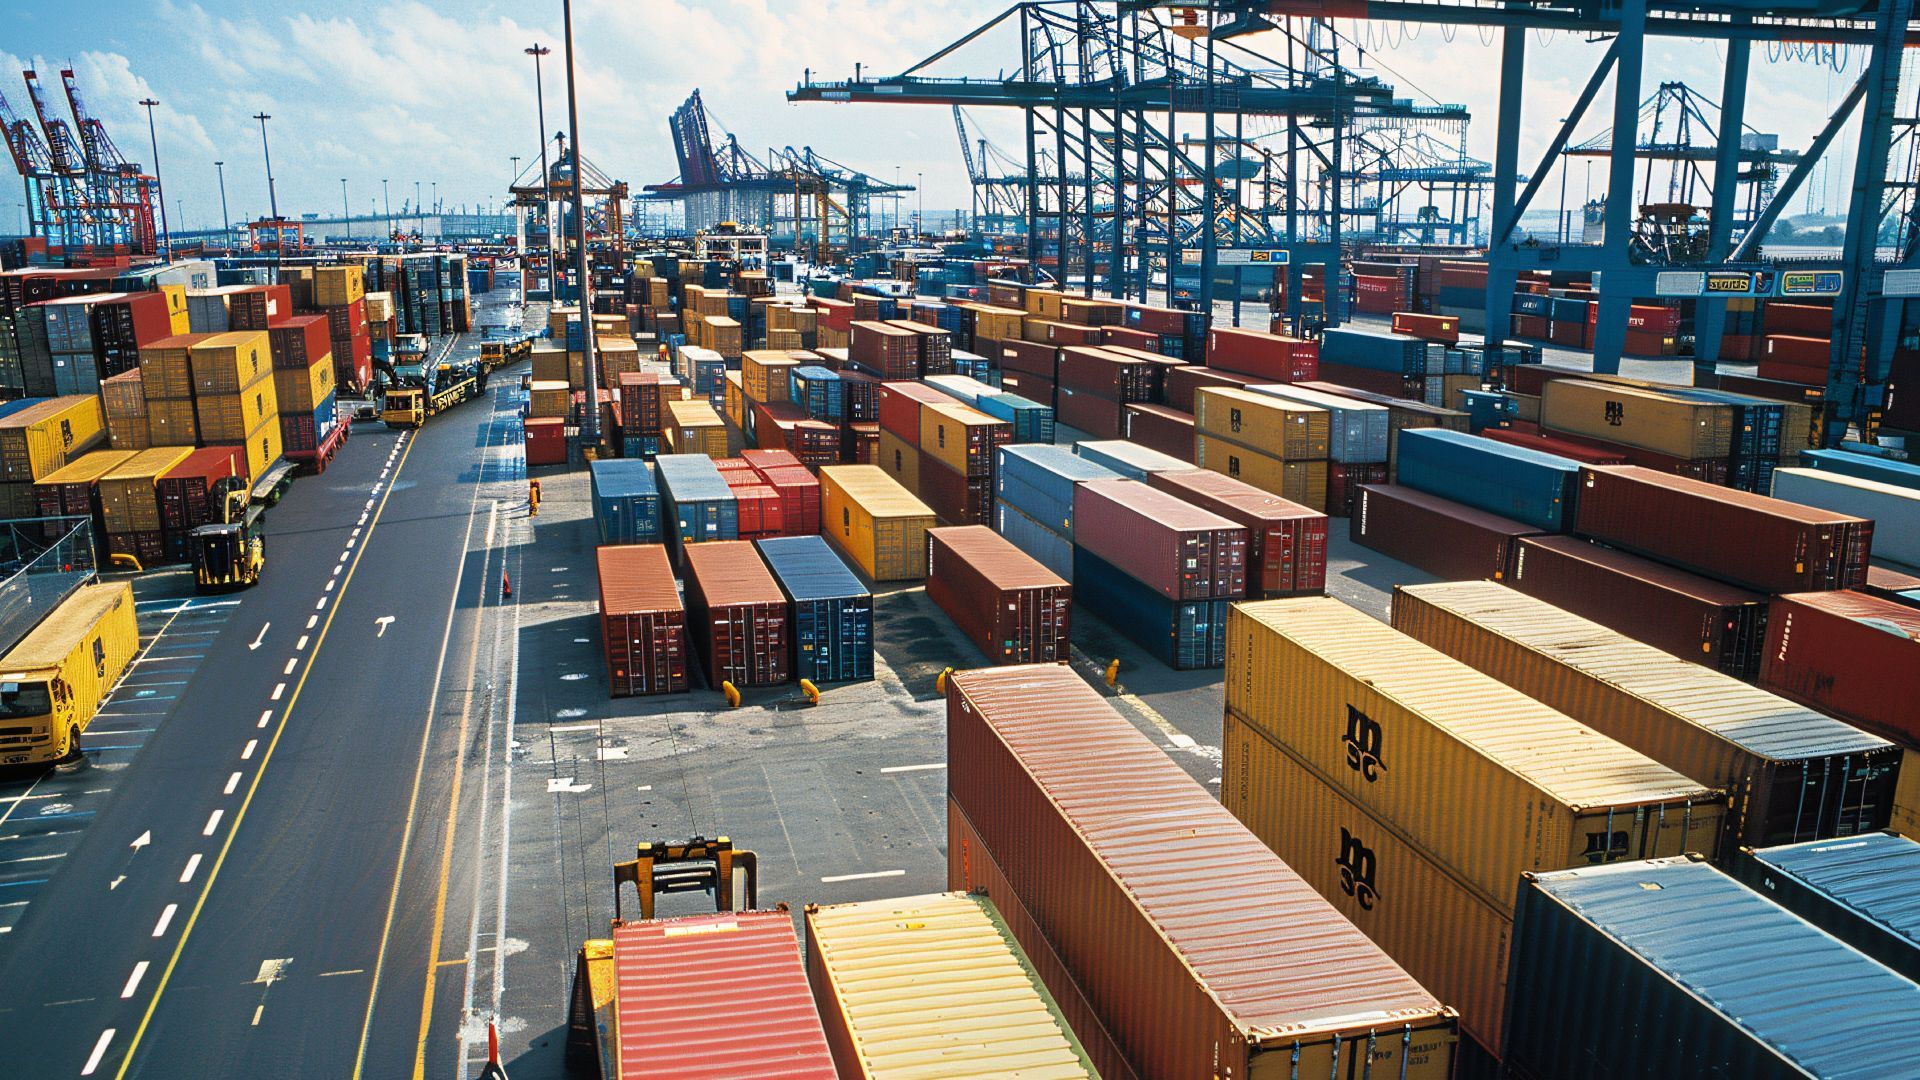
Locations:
(346, 211)
(546, 175)
(160, 189)
(389, 200)
(920, 191)
(226, 224)
(590, 423)
(273, 199)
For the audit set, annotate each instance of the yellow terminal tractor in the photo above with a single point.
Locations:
(53, 681)
(231, 553)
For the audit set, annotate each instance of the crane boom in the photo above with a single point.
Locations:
(966, 151)
(101, 154)
(59, 135)
(23, 142)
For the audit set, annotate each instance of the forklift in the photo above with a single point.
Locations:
(231, 553)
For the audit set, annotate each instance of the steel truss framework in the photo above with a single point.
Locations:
(80, 191)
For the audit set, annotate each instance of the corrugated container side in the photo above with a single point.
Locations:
(1528, 486)
(1860, 889)
(1175, 548)
(1663, 423)
(875, 522)
(1850, 654)
(1049, 548)
(1182, 634)
(832, 624)
(642, 622)
(1894, 510)
(737, 615)
(1437, 535)
(1016, 610)
(1286, 542)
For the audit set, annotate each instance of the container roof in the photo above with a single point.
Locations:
(1875, 874)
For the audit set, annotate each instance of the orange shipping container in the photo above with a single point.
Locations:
(226, 363)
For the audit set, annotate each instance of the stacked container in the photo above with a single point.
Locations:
(1274, 444)
(1358, 437)
(1437, 535)
(1859, 889)
(626, 501)
(1286, 542)
(1158, 570)
(1016, 610)
(40, 438)
(737, 615)
(642, 623)
(1096, 384)
(874, 522)
(1894, 509)
(130, 506)
(832, 612)
(234, 403)
(1268, 357)
(1850, 654)
(694, 428)
(1033, 506)
(1525, 485)
(696, 505)
(193, 493)
(1130, 460)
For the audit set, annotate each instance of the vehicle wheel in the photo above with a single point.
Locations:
(73, 758)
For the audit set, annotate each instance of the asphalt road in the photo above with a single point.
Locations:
(299, 797)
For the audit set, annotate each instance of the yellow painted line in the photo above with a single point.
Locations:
(449, 963)
(233, 827)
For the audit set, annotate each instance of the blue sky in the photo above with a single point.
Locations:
(441, 92)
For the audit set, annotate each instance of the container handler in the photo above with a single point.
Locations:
(419, 396)
(53, 681)
(231, 553)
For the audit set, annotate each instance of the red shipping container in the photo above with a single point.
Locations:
(956, 499)
(1106, 374)
(1444, 328)
(640, 403)
(1103, 857)
(1798, 374)
(1184, 380)
(786, 425)
(1173, 547)
(1850, 654)
(736, 615)
(1802, 320)
(1801, 351)
(1736, 347)
(1158, 321)
(860, 443)
(886, 350)
(1031, 357)
(1390, 383)
(1087, 312)
(1344, 480)
(642, 624)
(1549, 444)
(546, 440)
(767, 458)
(1134, 339)
(1694, 618)
(761, 512)
(1578, 335)
(1764, 544)
(1013, 608)
(1060, 333)
(1089, 412)
(1286, 542)
(259, 307)
(1653, 319)
(900, 408)
(1271, 356)
(1169, 431)
(1648, 344)
(1442, 537)
(299, 341)
(834, 314)
(1530, 326)
(799, 492)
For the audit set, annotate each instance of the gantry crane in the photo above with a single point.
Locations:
(80, 192)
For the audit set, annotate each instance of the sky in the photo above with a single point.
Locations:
(442, 92)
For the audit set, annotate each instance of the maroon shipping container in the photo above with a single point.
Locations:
(860, 443)
(1694, 618)
(1442, 537)
(1061, 333)
(1013, 608)
(1805, 320)
(956, 499)
(1087, 411)
(736, 615)
(1106, 374)
(1807, 352)
(300, 341)
(147, 545)
(1286, 542)
(1443, 328)
(186, 492)
(640, 404)
(1765, 544)
(1031, 357)
(932, 346)
(1530, 378)
(1184, 380)
(786, 425)
(1889, 584)
(1552, 444)
(1137, 339)
(1087, 312)
(900, 407)
(1104, 858)
(1162, 367)
(1160, 321)
(546, 440)
(885, 350)
(1271, 356)
(1392, 384)
(258, 307)
(642, 625)
(1171, 546)
(1344, 480)
(1850, 654)
(1158, 427)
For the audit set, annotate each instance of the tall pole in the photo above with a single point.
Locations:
(226, 224)
(546, 174)
(160, 189)
(920, 189)
(346, 212)
(388, 197)
(590, 423)
(273, 199)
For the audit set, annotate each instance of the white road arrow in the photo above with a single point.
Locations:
(139, 842)
(263, 636)
(382, 622)
(142, 840)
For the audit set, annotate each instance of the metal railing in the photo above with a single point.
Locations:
(42, 561)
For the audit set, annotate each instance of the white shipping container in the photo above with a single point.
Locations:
(1895, 510)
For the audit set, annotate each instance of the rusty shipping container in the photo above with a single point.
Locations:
(1176, 944)
(643, 626)
(1648, 419)
(1438, 535)
(1286, 542)
(1709, 622)
(1848, 653)
(1450, 936)
(1790, 773)
(737, 615)
(1176, 548)
(1736, 536)
(1488, 781)
(1013, 608)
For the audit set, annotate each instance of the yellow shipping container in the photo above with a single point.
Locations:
(724, 336)
(1647, 419)
(127, 497)
(616, 356)
(225, 363)
(171, 422)
(298, 393)
(263, 445)
(41, 438)
(379, 306)
(86, 469)
(549, 399)
(947, 430)
(85, 646)
(1045, 303)
(696, 429)
(1037, 330)
(781, 337)
(166, 367)
(875, 522)
(1486, 780)
(557, 317)
(1450, 937)
(998, 323)
(1304, 482)
(900, 460)
(230, 418)
(549, 365)
(337, 286)
(1906, 798)
(935, 985)
(1276, 427)
(177, 320)
(734, 398)
(764, 374)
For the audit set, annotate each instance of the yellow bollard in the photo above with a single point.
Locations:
(732, 693)
(812, 691)
(940, 683)
(123, 559)
(1113, 673)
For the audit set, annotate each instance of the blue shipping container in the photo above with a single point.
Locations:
(1564, 310)
(1048, 548)
(1050, 473)
(1861, 889)
(1376, 350)
(1528, 486)
(832, 612)
(1486, 408)
(696, 505)
(1666, 968)
(818, 390)
(1863, 466)
(1181, 634)
(1129, 459)
(1032, 422)
(626, 501)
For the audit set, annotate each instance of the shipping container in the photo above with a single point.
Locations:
(1182, 634)
(61, 671)
(626, 501)
(1286, 542)
(1160, 428)
(1692, 617)
(1437, 535)
(1653, 970)
(737, 615)
(1270, 357)
(643, 626)
(961, 438)
(1039, 481)
(128, 500)
(1277, 427)
(1375, 350)
(1127, 459)
(1358, 430)
(44, 436)
(70, 489)
(928, 986)
(955, 498)
(1488, 781)
(1850, 654)
(899, 406)
(1450, 936)
(696, 505)
(1183, 383)
(1663, 423)
(1177, 549)
(1304, 482)
(832, 612)
(1525, 485)
(1764, 544)
(1007, 603)
(694, 428)
(1865, 466)
(1105, 859)
(875, 522)
(1860, 889)
(710, 997)
(1049, 548)
(1894, 510)
(1790, 773)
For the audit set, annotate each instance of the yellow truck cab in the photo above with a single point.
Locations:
(54, 680)
(405, 407)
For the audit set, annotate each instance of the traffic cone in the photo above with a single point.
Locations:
(506, 586)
